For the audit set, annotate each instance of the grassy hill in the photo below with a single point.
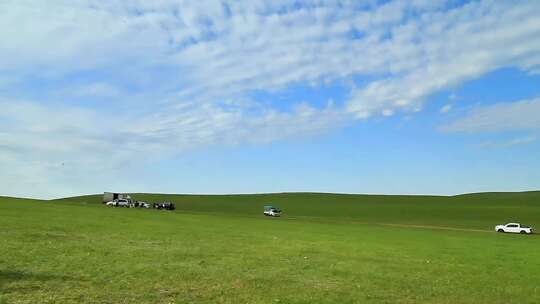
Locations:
(479, 210)
(220, 249)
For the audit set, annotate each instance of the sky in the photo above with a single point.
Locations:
(390, 97)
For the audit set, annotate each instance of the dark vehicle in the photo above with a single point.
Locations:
(141, 205)
(164, 206)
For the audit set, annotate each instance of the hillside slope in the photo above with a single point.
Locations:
(76, 252)
(480, 210)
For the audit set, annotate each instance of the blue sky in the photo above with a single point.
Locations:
(416, 97)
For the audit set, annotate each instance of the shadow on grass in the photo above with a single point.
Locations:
(13, 280)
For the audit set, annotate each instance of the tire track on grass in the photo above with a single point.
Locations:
(417, 226)
(342, 221)
(434, 227)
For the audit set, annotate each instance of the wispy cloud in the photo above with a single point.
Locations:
(227, 48)
(93, 90)
(64, 149)
(520, 115)
(446, 108)
(442, 50)
(179, 74)
(510, 143)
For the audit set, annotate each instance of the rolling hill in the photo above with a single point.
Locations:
(327, 248)
(477, 210)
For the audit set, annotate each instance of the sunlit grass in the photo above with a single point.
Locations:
(61, 252)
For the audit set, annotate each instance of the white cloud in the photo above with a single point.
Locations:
(97, 89)
(444, 50)
(182, 71)
(520, 115)
(510, 143)
(68, 150)
(230, 47)
(453, 97)
(446, 108)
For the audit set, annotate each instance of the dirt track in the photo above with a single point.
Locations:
(330, 220)
(434, 227)
(392, 225)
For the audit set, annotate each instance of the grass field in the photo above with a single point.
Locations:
(220, 249)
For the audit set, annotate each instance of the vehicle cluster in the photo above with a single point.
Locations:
(276, 212)
(128, 203)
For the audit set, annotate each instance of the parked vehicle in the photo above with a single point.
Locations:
(130, 204)
(142, 205)
(122, 203)
(164, 206)
(271, 211)
(514, 228)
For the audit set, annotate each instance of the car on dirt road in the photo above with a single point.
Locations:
(514, 228)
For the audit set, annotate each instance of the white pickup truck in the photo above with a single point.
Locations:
(514, 228)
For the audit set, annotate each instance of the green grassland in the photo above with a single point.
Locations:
(479, 211)
(326, 248)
